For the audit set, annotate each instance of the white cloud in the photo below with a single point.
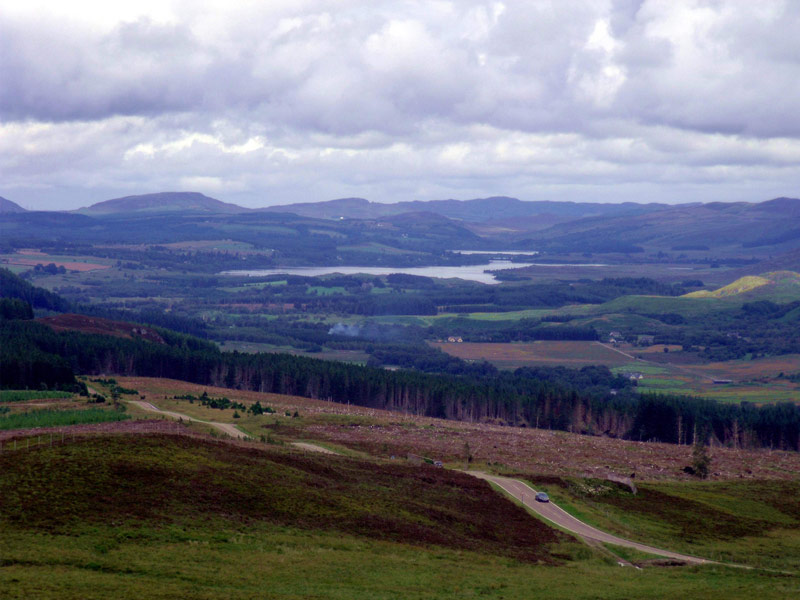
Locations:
(284, 101)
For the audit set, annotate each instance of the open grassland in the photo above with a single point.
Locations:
(28, 259)
(384, 434)
(58, 418)
(350, 356)
(663, 304)
(756, 523)
(28, 395)
(179, 480)
(740, 286)
(214, 562)
(516, 315)
(165, 516)
(513, 355)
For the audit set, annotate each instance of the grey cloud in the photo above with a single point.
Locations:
(413, 98)
(528, 68)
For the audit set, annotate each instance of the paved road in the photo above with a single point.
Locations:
(514, 487)
(226, 428)
(553, 513)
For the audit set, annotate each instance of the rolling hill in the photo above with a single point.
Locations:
(187, 202)
(743, 226)
(779, 281)
(477, 210)
(7, 206)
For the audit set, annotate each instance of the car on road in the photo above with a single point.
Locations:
(542, 497)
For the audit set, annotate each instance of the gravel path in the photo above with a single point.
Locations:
(226, 428)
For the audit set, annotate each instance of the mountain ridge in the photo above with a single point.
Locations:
(163, 202)
(8, 206)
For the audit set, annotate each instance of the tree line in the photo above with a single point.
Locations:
(590, 400)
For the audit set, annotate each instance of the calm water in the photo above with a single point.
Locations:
(468, 272)
(508, 252)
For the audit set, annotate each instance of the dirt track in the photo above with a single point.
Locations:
(312, 448)
(226, 428)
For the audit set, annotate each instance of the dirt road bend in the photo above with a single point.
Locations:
(313, 448)
(226, 428)
(523, 492)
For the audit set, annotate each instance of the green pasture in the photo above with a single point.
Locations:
(753, 523)
(58, 418)
(320, 290)
(27, 395)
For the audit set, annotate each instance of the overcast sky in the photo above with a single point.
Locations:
(283, 101)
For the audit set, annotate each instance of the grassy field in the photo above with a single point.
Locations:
(520, 354)
(58, 418)
(174, 517)
(30, 259)
(756, 523)
(351, 356)
(28, 395)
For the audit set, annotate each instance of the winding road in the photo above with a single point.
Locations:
(514, 487)
(547, 510)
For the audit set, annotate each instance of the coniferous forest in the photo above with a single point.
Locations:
(590, 400)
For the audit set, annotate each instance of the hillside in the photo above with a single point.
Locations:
(98, 326)
(740, 286)
(163, 202)
(749, 283)
(477, 210)
(169, 516)
(738, 226)
(786, 261)
(196, 484)
(7, 206)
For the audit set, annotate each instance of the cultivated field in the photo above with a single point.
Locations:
(671, 372)
(31, 258)
(548, 353)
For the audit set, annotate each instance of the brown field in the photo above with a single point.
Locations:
(754, 380)
(98, 325)
(141, 426)
(384, 434)
(753, 369)
(548, 353)
(656, 349)
(41, 258)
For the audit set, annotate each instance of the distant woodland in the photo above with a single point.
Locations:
(33, 355)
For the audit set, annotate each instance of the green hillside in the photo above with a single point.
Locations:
(740, 286)
(176, 517)
(174, 481)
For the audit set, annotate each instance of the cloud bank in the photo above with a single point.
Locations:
(274, 102)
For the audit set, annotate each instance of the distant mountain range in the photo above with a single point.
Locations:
(191, 202)
(7, 206)
(478, 210)
(763, 231)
